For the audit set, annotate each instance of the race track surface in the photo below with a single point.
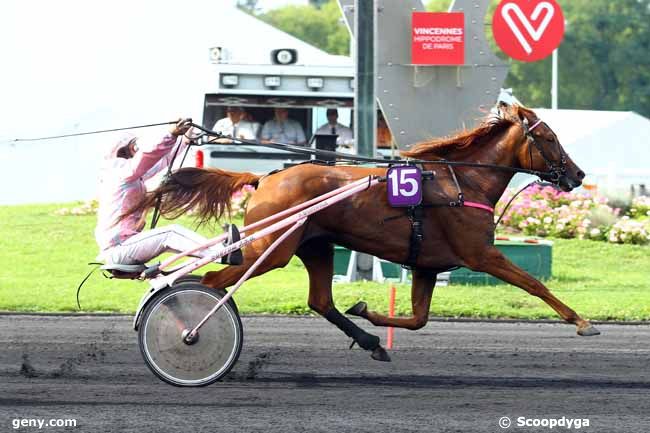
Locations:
(297, 375)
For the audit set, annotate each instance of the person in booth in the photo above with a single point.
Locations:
(281, 129)
(235, 125)
(256, 126)
(345, 139)
(125, 169)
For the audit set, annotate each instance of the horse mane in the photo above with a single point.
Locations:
(468, 140)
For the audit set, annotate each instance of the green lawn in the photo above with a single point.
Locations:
(44, 258)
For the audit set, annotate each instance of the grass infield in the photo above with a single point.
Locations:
(44, 258)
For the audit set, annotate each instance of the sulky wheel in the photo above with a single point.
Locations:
(210, 355)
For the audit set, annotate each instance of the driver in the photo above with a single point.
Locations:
(121, 184)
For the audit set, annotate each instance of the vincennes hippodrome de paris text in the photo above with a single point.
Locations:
(440, 37)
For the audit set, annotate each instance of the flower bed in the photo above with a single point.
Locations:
(86, 208)
(240, 200)
(545, 211)
(640, 207)
(629, 231)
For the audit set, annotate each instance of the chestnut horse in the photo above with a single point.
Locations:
(453, 236)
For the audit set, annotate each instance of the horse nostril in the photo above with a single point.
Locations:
(581, 174)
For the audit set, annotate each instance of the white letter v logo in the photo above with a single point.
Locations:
(536, 34)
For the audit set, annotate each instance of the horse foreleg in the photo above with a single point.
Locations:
(318, 258)
(421, 291)
(496, 264)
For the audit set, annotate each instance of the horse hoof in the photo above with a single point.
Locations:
(379, 354)
(588, 331)
(358, 309)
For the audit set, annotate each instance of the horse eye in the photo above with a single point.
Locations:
(545, 137)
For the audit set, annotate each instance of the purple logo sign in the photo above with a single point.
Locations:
(404, 186)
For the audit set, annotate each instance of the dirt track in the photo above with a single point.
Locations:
(296, 374)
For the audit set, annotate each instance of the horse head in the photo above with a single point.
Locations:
(512, 136)
(539, 149)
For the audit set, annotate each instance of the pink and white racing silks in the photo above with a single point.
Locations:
(121, 185)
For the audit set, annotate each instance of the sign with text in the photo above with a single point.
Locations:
(528, 30)
(404, 186)
(438, 38)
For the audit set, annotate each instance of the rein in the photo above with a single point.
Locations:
(156, 212)
(327, 153)
(554, 173)
(364, 159)
(556, 170)
(101, 131)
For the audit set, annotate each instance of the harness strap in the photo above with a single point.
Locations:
(461, 197)
(415, 214)
(156, 212)
(478, 206)
(535, 125)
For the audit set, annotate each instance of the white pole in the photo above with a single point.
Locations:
(554, 82)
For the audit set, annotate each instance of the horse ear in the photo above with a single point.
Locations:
(525, 124)
(524, 113)
(509, 112)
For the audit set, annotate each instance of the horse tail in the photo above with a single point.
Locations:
(207, 192)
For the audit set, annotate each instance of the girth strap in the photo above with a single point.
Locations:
(415, 215)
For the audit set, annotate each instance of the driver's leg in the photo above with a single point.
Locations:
(144, 246)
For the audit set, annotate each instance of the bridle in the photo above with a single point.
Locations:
(556, 170)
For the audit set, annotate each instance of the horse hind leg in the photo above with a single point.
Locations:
(318, 257)
(279, 258)
(421, 292)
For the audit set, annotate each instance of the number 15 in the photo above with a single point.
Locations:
(399, 187)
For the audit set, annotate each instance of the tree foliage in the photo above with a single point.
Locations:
(321, 27)
(438, 5)
(604, 61)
